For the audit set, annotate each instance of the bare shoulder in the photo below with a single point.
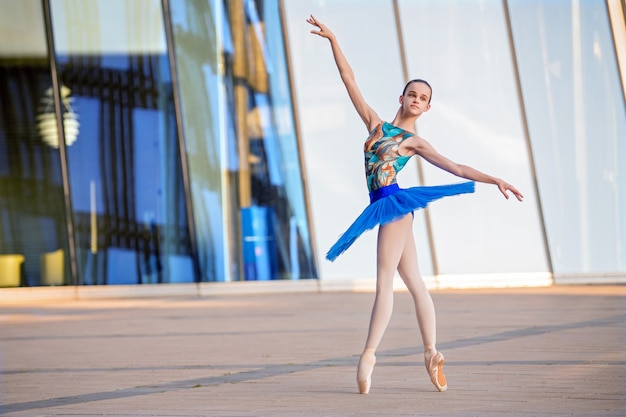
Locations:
(416, 144)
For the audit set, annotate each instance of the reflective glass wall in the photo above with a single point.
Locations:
(577, 123)
(128, 201)
(184, 158)
(179, 160)
(244, 162)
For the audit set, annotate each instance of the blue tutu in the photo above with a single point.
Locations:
(392, 203)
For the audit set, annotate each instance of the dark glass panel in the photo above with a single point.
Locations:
(33, 231)
(125, 171)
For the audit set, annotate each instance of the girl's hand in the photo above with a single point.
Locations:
(505, 187)
(323, 31)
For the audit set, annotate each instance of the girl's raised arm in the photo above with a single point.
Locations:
(367, 114)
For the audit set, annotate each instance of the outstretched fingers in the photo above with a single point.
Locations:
(323, 30)
(505, 188)
(313, 21)
(517, 194)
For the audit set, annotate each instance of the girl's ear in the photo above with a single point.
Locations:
(427, 108)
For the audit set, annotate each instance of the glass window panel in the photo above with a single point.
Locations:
(242, 151)
(577, 123)
(198, 29)
(282, 149)
(33, 231)
(124, 164)
(462, 49)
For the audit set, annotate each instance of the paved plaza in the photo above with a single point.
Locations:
(554, 351)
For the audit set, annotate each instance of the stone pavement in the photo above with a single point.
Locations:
(555, 351)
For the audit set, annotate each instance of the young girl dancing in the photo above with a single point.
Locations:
(387, 149)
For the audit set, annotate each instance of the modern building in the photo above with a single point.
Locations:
(207, 140)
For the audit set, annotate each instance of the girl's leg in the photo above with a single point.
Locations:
(391, 239)
(408, 269)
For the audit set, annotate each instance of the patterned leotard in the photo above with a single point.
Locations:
(382, 159)
(389, 202)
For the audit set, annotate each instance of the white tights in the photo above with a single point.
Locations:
(396, 251)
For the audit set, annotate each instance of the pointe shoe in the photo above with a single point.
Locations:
(364, 372)
(434, 366)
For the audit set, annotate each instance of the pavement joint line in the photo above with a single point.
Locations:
(511, 334)
(245, 376)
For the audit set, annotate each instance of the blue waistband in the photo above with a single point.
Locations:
(383, 192)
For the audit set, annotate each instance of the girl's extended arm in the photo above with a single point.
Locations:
(429, 153)
(367, 114)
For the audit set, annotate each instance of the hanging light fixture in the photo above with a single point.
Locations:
(47, 122)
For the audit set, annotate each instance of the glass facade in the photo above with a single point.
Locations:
(241, 144)
(128, 202)
(157, 128)
(577, 123)
(189, 141)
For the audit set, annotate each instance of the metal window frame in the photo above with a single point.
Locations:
(169, 37)
(529, 148)
(58, 110)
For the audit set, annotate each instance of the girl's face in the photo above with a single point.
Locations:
(416, 99)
